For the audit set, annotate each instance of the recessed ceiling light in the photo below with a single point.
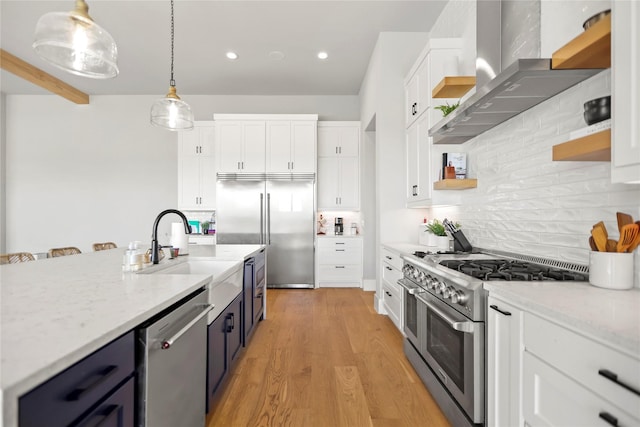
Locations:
(232, 55)
(323, 55)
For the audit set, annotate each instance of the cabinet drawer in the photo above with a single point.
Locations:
(392, 300)
(391, 275)
(66, 396)
(340, 255)
(116, 411)
(550, 398)
(392, 258)
(339, 243)
(336, 272)
(582, 359)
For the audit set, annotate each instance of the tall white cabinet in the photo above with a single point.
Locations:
(625, 38)
(422, 158)
(339, 165)
(197, 167)
(291, 146)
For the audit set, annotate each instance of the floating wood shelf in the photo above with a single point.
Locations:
(453, 87)
(591, 49)
(591, 148)
(455, 184)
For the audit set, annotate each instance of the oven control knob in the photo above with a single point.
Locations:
(458, 297)
(448, 291)
(440, 288)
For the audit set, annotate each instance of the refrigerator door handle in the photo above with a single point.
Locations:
(262, 218)
(268, 218)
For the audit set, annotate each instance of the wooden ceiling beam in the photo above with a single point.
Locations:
(23, 69)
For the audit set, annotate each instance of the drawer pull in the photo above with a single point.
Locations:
(339, 266)
(608, 418)
(388, 268)
(495, 307)
(339, 243)
(614, 377)
(339, 250)
(388, 257)
(91, 383)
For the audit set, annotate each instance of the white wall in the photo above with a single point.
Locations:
(382, 97)
(525, 202)
(3, 204)
(78, 174)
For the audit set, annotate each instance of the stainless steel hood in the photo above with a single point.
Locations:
(501, 95)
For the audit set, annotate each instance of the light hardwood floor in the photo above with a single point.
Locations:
(324, 358)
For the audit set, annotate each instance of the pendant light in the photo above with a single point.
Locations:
(73, 42)
(171, 112)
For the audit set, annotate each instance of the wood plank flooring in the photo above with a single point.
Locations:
(324, 358)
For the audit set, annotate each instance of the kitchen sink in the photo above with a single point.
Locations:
(214, 268)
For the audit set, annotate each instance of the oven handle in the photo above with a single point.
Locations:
(412, 290)
(466, 327)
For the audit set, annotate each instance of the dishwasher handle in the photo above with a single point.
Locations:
(166, 344)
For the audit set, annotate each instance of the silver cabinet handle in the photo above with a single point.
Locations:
(336, 150)
(166, 344)
(242, 163)
(291, 165)
(339, 250)
(467, 327)
(238, 165)
(339, 266)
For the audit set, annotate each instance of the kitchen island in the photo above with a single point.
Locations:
(55, 312)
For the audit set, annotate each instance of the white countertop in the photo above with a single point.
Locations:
(612, 316)
(56, 311)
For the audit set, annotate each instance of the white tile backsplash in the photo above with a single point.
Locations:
(527, 203)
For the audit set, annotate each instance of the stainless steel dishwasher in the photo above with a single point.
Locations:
(173, 367)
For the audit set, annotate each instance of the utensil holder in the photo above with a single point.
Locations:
(611, 270)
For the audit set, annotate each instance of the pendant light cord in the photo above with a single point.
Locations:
(172, 82)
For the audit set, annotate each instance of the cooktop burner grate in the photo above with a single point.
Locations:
(510, 270)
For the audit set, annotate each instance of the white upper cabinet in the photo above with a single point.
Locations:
(625, 38)
(338, 165)
(197, 168)
(418, 161)
(291, 146)
(241, 145)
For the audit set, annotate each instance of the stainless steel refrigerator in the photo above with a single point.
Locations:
(277, 210)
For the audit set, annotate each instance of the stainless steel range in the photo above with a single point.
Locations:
(444, 317)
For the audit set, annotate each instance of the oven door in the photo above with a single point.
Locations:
(414, 313)
(454, 349)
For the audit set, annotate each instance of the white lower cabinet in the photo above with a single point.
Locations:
(543, 373)
(504, 363)
(339, 262)
(392, 294)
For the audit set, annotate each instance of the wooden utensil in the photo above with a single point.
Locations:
(592, 244)
(611, 245)
(636, 242)
(623, 219)
(627, 237)
(600, 238)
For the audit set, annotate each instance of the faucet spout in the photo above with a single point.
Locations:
(155, 247)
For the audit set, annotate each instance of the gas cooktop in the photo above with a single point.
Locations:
(510, 270)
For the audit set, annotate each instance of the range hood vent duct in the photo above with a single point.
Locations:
(503, 92)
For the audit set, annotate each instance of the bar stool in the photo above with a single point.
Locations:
(56, 252)
(104, 246)
(16, 257)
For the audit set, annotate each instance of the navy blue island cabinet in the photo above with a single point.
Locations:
(98, 390)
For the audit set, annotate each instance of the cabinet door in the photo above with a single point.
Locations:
(504, 341)
(116, 411)
(207, 183)
(303, 146)
(279, 146)
(217, 363)
(190, 142)
(349, 183)
(328, 141)
(189, 183)
(349, 141)
(230, 146)
(327, 182)
(411, 99)
(206, 140)
(234, 329)
(412, 162)
(254, 142)
(625, 147)
(425, 185)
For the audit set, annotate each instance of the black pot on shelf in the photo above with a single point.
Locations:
(597, 110)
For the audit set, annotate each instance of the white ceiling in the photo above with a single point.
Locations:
(206, 29)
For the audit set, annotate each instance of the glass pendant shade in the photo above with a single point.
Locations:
(73, 42)
(171, 112)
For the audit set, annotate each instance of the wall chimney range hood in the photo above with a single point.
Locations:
(519, 86)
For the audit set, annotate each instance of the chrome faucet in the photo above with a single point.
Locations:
(155, 247)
